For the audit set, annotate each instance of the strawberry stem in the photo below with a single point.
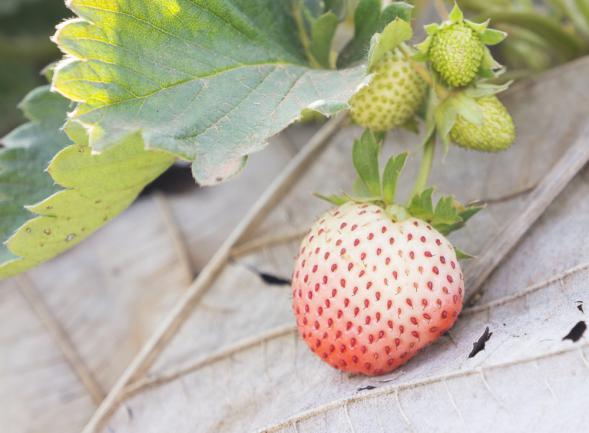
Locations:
(425, 166)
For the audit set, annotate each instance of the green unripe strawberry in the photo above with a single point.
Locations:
(391, 99)
(495, 133)
(456, 53)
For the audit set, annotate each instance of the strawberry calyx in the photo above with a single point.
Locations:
(482, 36)
(374, 187)
(463, 103)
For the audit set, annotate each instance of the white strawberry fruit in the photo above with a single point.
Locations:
(371, 289)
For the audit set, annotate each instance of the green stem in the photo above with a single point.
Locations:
(425, 167)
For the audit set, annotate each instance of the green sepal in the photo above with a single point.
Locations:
(322, 32)
(445, 116)
(365, 155)
(492, 36)
(456, 15)
(431, 29)
(420, 56)
(397, 213)
(334, 199)
(368, 20)
(465, 213)
(468, 108)
(364, 199)
(359, 188)
(421, 205)
(391, 37)
(447, 216)
(479, 28)
(480, 90)
(462, 255)
(390, 177)
(489, 61)
(395, 10)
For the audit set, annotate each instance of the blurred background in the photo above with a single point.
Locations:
(25, 49)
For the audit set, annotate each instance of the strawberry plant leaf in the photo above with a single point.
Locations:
(365, 155)
(366, 20)
(208, 81)
(391, 37)
(50, 211)
(322, 32)
(390, 176)
(26, 153)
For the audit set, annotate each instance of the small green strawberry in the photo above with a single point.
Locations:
(495, 133)
(392, 98)
(457, 49)
(456, 54)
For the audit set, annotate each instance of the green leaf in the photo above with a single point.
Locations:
(23, 161)
(209, 81)
(391, 37)
(52, 210)
(322, 33)
(365, 155)
(390, 177)
(366, 19)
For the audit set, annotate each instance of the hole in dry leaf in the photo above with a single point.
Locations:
(269, 278)
(366, 388)
(576, 332)
(580, 306)
(479, 345)
(273, 279)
